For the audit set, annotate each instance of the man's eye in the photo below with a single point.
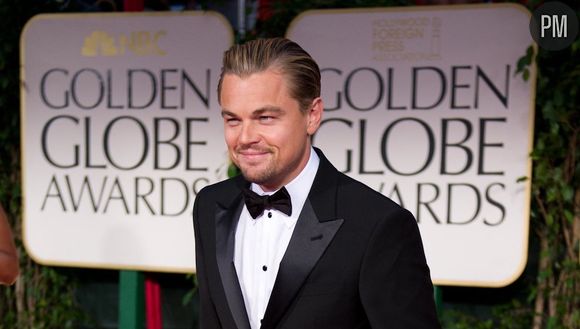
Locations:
(232, 121)
(266, 119)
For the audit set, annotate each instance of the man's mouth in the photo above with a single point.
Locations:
(252, 154)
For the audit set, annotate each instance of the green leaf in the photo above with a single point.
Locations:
(530, 53)
(552, 323)
(569, 216)
(521, 64)
(522, 179)
(233, 170)
(187, 297)
(567, 193)
(550, 219)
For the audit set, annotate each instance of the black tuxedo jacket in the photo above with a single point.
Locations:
(355, 260)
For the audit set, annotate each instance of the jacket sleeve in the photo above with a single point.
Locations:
(208, 318)
(395, 285)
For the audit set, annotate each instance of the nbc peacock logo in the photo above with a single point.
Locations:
(138, 43)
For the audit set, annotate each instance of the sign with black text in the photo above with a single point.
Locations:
(119, 117)
(424, 105)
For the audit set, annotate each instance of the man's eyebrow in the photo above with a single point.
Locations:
(227, 113)
(268, 109)
(257, 112)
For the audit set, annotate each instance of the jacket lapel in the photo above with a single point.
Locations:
(226, 221)
(315, 229)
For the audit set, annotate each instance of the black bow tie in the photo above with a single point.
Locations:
(256, 204)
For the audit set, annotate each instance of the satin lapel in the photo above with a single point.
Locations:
(226, 221)
(315, 229)
(308, 242)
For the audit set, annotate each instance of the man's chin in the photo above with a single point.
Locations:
(258, 177)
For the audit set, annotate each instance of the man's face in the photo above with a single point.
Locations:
(268, 137)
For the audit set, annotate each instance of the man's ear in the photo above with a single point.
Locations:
(314, 115)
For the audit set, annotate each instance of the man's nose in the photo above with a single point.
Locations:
(248, 134)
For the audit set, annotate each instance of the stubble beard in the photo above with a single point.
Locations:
(255, 174)
(260, 177)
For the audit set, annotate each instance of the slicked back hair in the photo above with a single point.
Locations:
(285, 56)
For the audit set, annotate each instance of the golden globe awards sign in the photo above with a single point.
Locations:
(120, 129)
(423, 105)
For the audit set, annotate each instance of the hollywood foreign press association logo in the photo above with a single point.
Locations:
(554, 25)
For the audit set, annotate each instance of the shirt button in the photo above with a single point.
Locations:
(264, 268)
(269, 215)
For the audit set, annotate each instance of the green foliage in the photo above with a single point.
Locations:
(188, 297)
(555, 186)
(513, 315)
(453, 319)
(523, 64)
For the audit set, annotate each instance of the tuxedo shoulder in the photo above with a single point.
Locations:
(359, 193)
(221, 187)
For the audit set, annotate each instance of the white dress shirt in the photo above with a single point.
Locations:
(261, 243)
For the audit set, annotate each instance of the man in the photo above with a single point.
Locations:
(320, 250)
